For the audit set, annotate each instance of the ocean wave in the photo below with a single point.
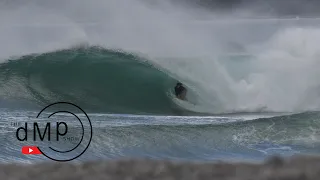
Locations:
(96, 79)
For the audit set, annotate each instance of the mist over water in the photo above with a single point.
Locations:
(229, 64)
(120, 59)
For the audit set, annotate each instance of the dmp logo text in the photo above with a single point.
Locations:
(61, 130)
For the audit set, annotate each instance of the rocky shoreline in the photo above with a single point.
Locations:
(275, 168)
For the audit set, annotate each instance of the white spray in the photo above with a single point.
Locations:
(283, 63)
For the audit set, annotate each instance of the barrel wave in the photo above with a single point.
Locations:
(96, 79)
(253, 82)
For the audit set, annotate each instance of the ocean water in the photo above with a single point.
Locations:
(253, 84)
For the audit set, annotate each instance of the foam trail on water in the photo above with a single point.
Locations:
(280, 74)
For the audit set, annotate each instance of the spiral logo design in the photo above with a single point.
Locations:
(56, 105)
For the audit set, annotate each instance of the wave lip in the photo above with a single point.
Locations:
(96, 79)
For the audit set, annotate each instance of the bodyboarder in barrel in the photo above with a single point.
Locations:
(180, 91)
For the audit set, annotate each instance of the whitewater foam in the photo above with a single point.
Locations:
(282, 75)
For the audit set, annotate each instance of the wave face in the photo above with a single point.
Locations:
(97, 79)
(229, 65)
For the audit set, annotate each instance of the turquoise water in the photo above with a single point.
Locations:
(96, 79)
(133, 114)
(253, 85)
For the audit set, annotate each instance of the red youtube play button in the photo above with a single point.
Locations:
(30, 150)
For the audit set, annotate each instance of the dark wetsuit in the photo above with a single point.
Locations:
(179, 89)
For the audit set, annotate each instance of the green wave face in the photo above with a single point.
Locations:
(96, 79)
